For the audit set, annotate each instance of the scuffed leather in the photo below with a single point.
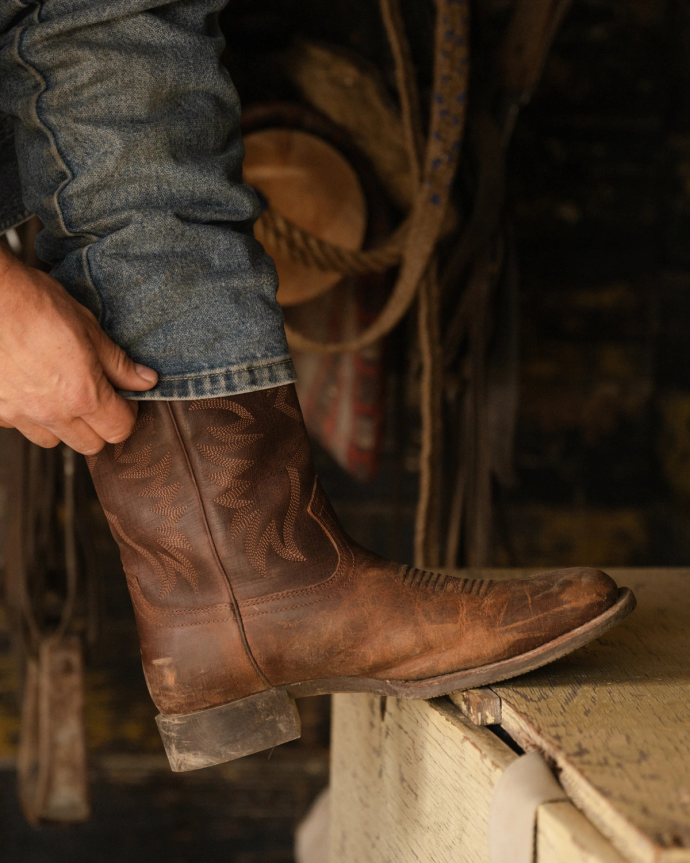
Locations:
(191, 645)
(242, 578)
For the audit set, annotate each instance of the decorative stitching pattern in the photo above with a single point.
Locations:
(230, 435)
(232, 438)
(246, 513)
(439, 583)
(281, 405)
(114, 522)
(333, 584)
(154, 615)
(257, 547)
(232, 498)
(145, 608)
(159, 489)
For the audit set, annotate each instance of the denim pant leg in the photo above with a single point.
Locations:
(128, 139)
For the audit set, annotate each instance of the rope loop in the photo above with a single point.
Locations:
(290, 240)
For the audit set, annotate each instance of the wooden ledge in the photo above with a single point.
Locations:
(412, 781)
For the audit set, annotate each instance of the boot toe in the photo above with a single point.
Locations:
(554, 603)
(584, 591)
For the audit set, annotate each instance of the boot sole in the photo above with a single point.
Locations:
(269, 718)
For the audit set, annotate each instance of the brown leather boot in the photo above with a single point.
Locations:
(247, 591)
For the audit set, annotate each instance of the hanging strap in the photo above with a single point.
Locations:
(435, 169)
(484, 261)
(51, 762)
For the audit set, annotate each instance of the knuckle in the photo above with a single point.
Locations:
(82, 401)
(42, 437)
(88, 318)
(45, 416)
(120, 360)
(36, 412)
(92, 331)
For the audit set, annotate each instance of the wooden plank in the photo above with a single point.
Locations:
(410, 781)
(564, 835)
(614, 718)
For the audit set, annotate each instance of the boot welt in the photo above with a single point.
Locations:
(269, 718)
(469, 678)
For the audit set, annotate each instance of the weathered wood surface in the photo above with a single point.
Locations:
(564, 835)
(614, 718)
(410, 781)
(413, 780)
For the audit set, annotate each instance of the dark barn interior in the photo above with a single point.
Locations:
(589, 334)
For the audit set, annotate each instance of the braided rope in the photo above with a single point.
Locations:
(284, 236)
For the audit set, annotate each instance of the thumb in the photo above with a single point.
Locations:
(122, 372)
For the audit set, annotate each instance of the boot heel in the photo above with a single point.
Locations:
(230, 731)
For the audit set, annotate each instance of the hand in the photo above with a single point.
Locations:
(58, 368)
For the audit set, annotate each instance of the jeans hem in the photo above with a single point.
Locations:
(230, 382)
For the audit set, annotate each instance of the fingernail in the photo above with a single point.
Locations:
(146, 373)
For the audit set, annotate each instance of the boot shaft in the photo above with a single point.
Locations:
(212, 504)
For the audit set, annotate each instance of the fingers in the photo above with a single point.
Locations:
(81, 437)
(77, 433)
(109, 416)
(121, 371)
(36, 434)
(58, 368)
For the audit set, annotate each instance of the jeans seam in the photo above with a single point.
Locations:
(229, 371)
(50, 135)
(228, 384)
(54, 149)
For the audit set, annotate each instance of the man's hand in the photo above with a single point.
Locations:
(58, 368)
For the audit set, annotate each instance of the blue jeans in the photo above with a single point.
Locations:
(127, 133)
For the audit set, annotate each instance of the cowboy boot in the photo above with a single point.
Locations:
(248, 593)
